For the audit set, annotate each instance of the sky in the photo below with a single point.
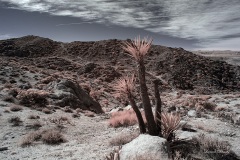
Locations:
(190, 24)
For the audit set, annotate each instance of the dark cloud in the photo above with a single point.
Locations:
(204, 21)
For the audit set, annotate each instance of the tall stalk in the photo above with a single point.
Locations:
(138, 49)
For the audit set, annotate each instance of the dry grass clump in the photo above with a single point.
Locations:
(52, 137)
(212, 147)
(28, 139)
(89, 114)
(170, 123)
(209, 106)
(35, 125)
(79, 110)
(15, 108)
(122, 139)
(16, 121)
(67, 109)
(61, 121)
(13, 92)
(48, 79)
(33, 97)
(46, 111)
(123, 118)
(9, 99)
(33, 116)
(6, 111)
(75, 115)
(8, 85)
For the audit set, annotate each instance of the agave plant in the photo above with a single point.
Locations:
(170, 123)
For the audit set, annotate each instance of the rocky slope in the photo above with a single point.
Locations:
(179, 68)
(58, 81)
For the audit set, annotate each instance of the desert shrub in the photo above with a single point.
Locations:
(123, 118)
(60, 121)
(9, 99)
(15, 108)
(67, 109)
(209, 106)
(28, 139)
(6, 111)
(13, 92)
(212, 147)
(35, 125)
(75, 115)
(52, 137)
(89, 114)
(48, 79)
(78, 110)
(33, 97)
(33, 116)
(122, 139)
(16, 121)
(8, 85)
(46, 111)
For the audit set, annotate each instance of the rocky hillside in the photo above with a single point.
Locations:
(177, 67)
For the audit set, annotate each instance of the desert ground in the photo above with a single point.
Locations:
(57, 100)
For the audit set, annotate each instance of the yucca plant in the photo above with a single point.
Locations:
(170, 123)
(139, 49)
(115, 154)
(125, 87)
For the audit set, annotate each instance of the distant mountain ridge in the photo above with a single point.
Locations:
(179, 68)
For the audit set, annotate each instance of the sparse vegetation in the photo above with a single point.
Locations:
(170, 123)
(209, 106)
(52, 137)
(60, 121)
(16, 121)
(35, 125)
(115, 154)
(33, 97)
(89, 114)
(15, 108)
(122, 139)
(212, 147)
(33, 116)
(46, 111)
(28, 139)
(67, 109)
(9, 99)
(123, 118)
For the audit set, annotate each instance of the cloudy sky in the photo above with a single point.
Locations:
(191, 24)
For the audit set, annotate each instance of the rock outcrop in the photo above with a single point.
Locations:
(68, 93)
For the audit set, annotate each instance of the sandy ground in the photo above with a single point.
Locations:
(87, 137)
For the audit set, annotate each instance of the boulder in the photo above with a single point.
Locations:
(66, 92)
(145, 146)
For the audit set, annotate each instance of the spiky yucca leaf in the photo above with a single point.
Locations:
(125, 85)
(138, 48)
(170, 123)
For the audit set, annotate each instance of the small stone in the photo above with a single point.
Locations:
(192, 113)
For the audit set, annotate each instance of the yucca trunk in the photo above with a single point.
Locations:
(158, 108)
(152, 128)
(138, 114)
